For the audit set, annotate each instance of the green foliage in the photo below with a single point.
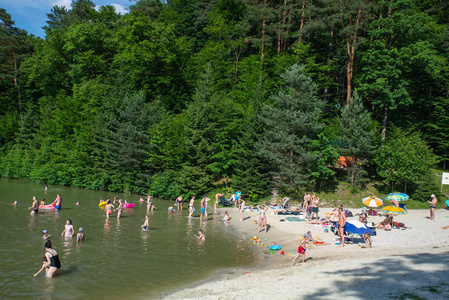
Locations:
(405, 157)
(289, 126)
(358, 137)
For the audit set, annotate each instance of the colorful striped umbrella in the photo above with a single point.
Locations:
(393, 210)
(397, 197)
(372, 201)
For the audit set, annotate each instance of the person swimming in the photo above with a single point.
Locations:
(146, 223)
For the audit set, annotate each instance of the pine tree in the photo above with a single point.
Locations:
(358, 136)
(290, 124)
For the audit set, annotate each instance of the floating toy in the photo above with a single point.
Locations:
(103, 203)
(49, 206)
(275, 247)
(129, 205)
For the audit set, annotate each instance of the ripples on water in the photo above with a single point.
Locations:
(117, 259)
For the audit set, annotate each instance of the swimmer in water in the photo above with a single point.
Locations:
(45, 234)
(146, 224)
(34, 207)
(262, 216)
(108, 208)
(200, 235)
(68, 229)
(191, 206)
(171, 209)
(15, 203)
(42, 201)
(80, 235)
(78, 202)
(119, 208)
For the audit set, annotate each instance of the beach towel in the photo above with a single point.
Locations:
(294, 219)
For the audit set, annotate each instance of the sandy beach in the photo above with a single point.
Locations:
(410, 263)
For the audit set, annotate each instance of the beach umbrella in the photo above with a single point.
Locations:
(393, 210)
(372, 201)
(356, 227)
(397, 197)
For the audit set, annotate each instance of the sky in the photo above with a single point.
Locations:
(32, 14)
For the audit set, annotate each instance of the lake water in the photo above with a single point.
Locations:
(117, 259)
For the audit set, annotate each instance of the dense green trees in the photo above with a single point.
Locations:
(188, 96)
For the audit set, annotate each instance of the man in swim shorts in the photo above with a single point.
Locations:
(341, 226)
(58, 202)
(433, 206)
(315, 203)
(34, 207)
(203, 209)
(191, 206)
(179, 200)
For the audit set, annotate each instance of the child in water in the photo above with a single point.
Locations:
(146, 224)
(80, 235)
(45, 234)
(45, 265)
(171, 209)
(200, 235)
(227, 217)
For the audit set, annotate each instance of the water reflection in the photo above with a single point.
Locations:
(67, 243)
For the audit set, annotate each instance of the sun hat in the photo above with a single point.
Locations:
(433, 195)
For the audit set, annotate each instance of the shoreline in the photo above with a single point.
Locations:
(412, 261)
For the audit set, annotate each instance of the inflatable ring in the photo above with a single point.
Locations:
(337, 106)
(275, 247)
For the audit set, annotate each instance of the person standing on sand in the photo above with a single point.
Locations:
(262, 217)
(34, 207)
(433, 205)
(306, 201)
(242, 208)
(341, 226)
(315, 203)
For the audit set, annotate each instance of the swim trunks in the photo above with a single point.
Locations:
(315, 209)
(109, 212)
(179, 201)
(301, 250)
(203, 209)
(58, 207)
(35, 210)
(432, 206)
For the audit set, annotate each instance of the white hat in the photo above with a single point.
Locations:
(433, 195)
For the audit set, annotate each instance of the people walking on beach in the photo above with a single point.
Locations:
(68, 229)
(262, 217)
(341, 226)
(191, 206)
(200, 235)
(302, 247)
(433, 205)
(315, 203)
(242, 208)
(58, 202)
(34, 206)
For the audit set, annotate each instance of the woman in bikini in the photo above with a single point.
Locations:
(433, 204)
(262, 217)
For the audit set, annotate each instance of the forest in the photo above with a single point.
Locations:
(185, 97)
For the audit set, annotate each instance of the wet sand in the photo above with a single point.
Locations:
(402, 263)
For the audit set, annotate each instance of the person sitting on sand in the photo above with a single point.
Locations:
(363, 217)
(307, 239)
(386, 223)
(367, 239)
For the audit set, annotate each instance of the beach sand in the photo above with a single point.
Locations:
(411, 263)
